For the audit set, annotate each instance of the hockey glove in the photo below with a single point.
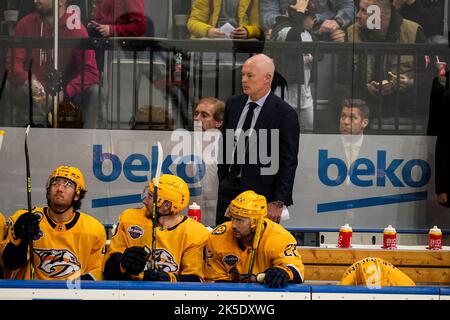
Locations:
(156, 275)
(276, 278)
(133, 260)
(26, 226)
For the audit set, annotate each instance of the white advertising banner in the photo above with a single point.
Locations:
(367, 182)
(390, 179)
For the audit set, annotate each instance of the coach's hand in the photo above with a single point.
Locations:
(274, 212)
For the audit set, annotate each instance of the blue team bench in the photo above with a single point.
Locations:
(131, 290)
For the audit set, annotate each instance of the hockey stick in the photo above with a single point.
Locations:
(27, 159)
(260, 277)
(30, 95)
(55, 59)
(2, 86)
(155, 200)
(256, 239)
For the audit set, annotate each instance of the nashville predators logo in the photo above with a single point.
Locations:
(165, 261)
(57, 263)
(219, 230)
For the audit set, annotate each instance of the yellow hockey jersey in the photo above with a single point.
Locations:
(375, 272)
(2, 235)
(2, 226)
(62, 251)
(178, 249)
(227, 259)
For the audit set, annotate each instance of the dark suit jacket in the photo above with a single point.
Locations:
(275, 114)
(442, 155)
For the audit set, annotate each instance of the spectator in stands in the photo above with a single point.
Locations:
(374, 273)
(229, 257)
(292, 27)
(179, 239)
(330, 20)
(118, 18)
(67, 244)
(80, 75)
(428, 13)
(209, 111)
(208, 16)
(380, 79)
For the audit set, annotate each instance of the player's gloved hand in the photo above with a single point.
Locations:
(276, 278)
(134, 259)
(156, 275)
(26, 226)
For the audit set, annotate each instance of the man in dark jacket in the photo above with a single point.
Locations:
(442, 155)
(265, 164)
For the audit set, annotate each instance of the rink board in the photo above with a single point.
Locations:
(127, 290)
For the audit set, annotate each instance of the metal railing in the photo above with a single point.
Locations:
(139, 87)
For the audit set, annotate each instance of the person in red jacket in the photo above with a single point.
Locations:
(78, 67)
(118, 18)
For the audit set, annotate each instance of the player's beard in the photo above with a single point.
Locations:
(245, 238)
(60, 203)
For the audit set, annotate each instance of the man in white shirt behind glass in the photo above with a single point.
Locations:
(353, 120)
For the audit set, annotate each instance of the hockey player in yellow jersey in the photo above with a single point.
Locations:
(179, 239)
(228, 254)
(2, 234)
(375, 273)
(2, 226)
(67, 244)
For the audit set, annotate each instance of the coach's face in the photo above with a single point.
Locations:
(255, 80)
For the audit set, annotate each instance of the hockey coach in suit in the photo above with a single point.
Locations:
(263, 159)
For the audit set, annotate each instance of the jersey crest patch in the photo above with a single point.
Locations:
(165, 261)
(219, 230)
(135, 232)
(57, 263)
(231, 259)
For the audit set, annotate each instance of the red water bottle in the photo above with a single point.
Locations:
(435, 239)
(195, 212)
(389, 238)
(345, 236)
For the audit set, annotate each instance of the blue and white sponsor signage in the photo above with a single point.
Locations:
(389, 181)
